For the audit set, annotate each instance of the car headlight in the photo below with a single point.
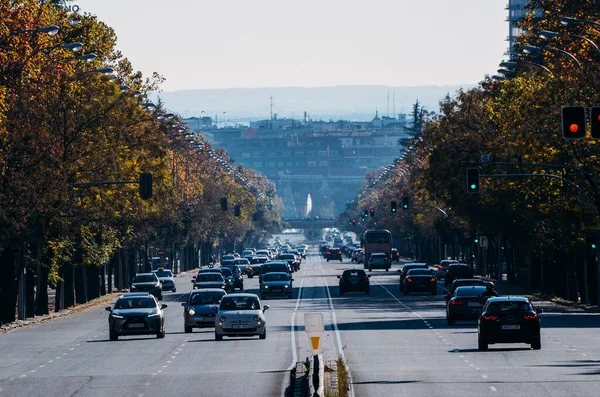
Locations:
(195, 287)
(154, 315)
(256, 318)
(287, 286)
(117, 316)
(266, 286)
(133, 287)
(222, 286)
(222, 319)
(191, 312)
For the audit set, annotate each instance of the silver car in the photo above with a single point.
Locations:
(199, 308)
(166, 279)
(240, 315)
(276, 284)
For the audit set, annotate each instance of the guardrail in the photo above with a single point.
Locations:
(316, 376)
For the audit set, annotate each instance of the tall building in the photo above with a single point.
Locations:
(516, 11)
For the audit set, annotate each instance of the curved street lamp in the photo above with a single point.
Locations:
(568, 20)
(547, 34)
(530, 49)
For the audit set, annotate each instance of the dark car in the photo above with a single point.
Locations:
(420, 280)
(407, 267)
(147, 282)
(199, 308)
(464, 282)
(276, 284)
(354, 280)
(209, 280)
(255, 265)
(228, 277)
(136, 313)
(510, 319)
(466, 304)
(165, 277)
(291, 258)
(333, 254)
(273, 267)
(236, 274)
(455, 271)
(395, 255)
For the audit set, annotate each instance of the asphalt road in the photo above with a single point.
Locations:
(394, 346)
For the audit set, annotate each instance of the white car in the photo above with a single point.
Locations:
(240, 315)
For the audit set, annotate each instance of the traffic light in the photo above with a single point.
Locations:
(366, 214)
(145, 186)
(573, 122)
(595, 122)
(405, 203)
(394, 207)
(353, 222)
(372, 212)
(223, 203)
(473, 180)
(237, 210)
(476, 240)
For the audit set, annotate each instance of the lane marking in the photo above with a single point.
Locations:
(42, 366)
(293, 327)
(492, 388)
(484, 376)
(22, 376)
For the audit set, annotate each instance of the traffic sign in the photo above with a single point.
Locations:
(161, 252)
(483, 241)
(314, 328)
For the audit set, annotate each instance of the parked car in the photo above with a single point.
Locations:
(466, 304)
(199, 308)
(407, 267)
(509, 319)
(379, 260)
(354, 280)
(443, 267)
(420, 280)
(165, 276)
(136, 313)
(333, 254)
(455, 271)
(240, 315)
(147, 282)
(276, 283)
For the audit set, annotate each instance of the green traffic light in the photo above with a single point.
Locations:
(476, 240)
(594, 246)
(473, 186)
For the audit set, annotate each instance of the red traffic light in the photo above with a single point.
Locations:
(574, 128)
(573, 122)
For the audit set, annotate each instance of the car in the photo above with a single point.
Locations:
(273, 267)
(353, 280)
(333, 253)
(407, 267)
(458, 270)
(463, 282)
(291, 259)
(165, 276)
(136, 313)
(466, 304)
(244, 265)
(227, 262)
(227, 257)
(236, 275)
(420, 280)
(248, 254)
(276, 283)
(199, 308)
(379, 260)
(209, 280)
(255, 264)
(395, 255)
(241, 314)
(509, 319)
(228, 277)
(443, 267)
(263, 252)
(147, 282)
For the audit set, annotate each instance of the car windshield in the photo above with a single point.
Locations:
(144, 278)
(354, 273)
(209, 277)
(377, 237)
(419, 272)
(206, 297)
(135, 303)
(241, 261)
(258, 260)
(276, 277)
(239, 303)
(164, 273)
(226, 272)
(466, 292)
(287, 256)
(506, 307)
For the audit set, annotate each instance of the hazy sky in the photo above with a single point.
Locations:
(279, 43)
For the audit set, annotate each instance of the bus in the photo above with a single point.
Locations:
(377, 241)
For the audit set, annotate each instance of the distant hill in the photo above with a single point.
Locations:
(321, 103)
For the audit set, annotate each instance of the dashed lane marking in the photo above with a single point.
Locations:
(492, 388)
(484, 376)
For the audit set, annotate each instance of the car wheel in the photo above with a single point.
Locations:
(406, 293)
(161, 334)
(263, 335)
(370, 269)
(537, 344)
(387, 269)
(450, 320)
(434, 292)
(327, 259)
(482, 345)
(368, 291)
(218, 337)
(160, 297)
(340, 259)
(113, 335)
(174, 290)
(250, 276)
(187, 329)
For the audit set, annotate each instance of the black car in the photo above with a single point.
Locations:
(407, 267)
(236, 274)
(333, 254)
(466, 304)
(209, 280)
(354, 280)
(147, 282)
(455, 271)
(509, 319)
(465, 282)
(256, 263)
(274, 267)
(199, 308)
(420, 280)
(136, 313)
(290, 258)
(228, 277)
(395, 255)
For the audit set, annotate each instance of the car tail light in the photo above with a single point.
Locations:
(530, 317)
(490, 318)
(328, 252)
(432, 280)
(457, 302)
(408, 280)
(366, 278)
(441, 267)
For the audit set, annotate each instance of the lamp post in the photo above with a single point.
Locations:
(547, 34)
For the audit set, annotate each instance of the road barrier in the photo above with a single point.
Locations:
(316, 376)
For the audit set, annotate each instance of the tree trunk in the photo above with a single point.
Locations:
(8, 287)
(68, 285)
(41, 295)
(30, 293)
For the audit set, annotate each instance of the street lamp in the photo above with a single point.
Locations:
(530, 49)
(568, 20)
(547, 34)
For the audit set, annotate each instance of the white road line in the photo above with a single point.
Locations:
(169, 362)
(293, 328)
(50, 362)
(492, 388)
(32, 371)
(173, 356)
(22, 376)
(471, 365)
(42, 366)
(165, 366)
(484, 376)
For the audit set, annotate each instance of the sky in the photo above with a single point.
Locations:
(199, 44)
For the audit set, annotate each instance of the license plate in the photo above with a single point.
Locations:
(136, 325)
(474, 304)
(207, 319)
(239, 326)
(510, 327)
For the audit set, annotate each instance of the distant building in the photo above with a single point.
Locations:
(516, 11)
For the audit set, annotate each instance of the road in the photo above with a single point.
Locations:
(394, 346)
